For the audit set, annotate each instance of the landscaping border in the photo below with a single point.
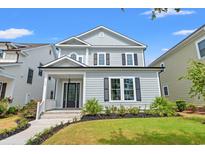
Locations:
(22, 124)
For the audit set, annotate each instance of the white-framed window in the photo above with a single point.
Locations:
(129, 57)
(122, 89)
(200, 45)
(1, 54)
(80, 59)
(166, 90)
(101, 59)
(115, 89)
(73, 56)
(128, 89)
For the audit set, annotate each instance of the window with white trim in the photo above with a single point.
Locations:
(1, 53)
(80, 59)
(122, 89)
(165, 90)
(73, 56)
(115, 89)
(101, 59)
(201, 48)
(129, 59)
(128, 89)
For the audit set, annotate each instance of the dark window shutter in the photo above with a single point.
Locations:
(138, 89)
(30, 76)
(106, 89)
(123, 59)
(135, 59)
(3, 91)
(95, 59)
(107, 59)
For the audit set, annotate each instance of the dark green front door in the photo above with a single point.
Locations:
(71, 95)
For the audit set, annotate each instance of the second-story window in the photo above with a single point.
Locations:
(129, 59)
(80, 59)
(73, 56)
(101, 59)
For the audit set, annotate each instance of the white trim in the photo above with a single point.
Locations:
(77, 57)
(60, 43)
(80, 98)
(84, 89)
(123, 36)
(167, 90)
(62, 58)
(122, 90)
(86, 56)
(158, 83)
(197, 47)
(98, 58)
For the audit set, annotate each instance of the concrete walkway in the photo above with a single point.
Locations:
(36, 127)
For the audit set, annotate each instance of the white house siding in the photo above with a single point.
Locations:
(149, 86)
(21, 88)
(9, 57)
(116, 55)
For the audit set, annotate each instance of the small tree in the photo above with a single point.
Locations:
(196, 74)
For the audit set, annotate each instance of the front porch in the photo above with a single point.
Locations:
(68, 93)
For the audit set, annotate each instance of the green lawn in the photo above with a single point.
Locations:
(133, 131)
(8, 123)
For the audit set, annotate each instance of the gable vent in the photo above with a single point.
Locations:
(101, 34)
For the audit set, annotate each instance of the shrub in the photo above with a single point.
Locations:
(92, 107)
(121, 110)
(134, 110)
(29, 110)
(163, 107)
(12, 110)
(3, 107)
(181, 105)
(107, 110)
(113, 109)
(191, 107)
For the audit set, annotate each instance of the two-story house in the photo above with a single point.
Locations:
(101, 64)
(20, 77)
(176, 62)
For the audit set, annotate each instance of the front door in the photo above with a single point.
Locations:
(71, 95)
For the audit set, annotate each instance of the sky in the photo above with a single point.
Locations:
(53, 25)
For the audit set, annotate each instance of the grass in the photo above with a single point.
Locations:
(8, 123)
(173, 130)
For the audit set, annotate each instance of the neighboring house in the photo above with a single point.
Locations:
(176, 61)
(20, 77)
(101, 64)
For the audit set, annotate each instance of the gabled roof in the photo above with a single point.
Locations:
(114, 32)
(62, 59)
(74, 42)
(196, 32)
(80, 40)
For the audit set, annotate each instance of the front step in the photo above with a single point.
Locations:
(62, 114)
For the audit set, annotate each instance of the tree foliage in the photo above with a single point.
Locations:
(196, 74)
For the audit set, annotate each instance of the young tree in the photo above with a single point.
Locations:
(196, 74)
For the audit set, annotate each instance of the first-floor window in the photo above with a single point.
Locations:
(128, 89)
(166, 91)
(30, 76)
(115, 89)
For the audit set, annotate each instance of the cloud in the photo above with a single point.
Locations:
(170, 12)
(184, 32)
(14, 33)
(164, 49)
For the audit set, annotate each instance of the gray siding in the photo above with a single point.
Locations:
(116, 55)
(149, 86)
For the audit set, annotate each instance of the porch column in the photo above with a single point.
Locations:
(45, 90)
(86, 56)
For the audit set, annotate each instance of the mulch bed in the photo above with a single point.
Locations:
(116, 116)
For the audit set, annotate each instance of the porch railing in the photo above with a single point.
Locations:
(40, 109)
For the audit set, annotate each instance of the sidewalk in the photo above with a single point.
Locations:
(36, 127)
